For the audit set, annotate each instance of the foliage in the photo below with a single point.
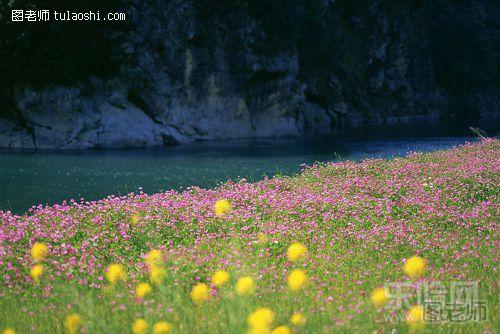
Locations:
(320, 243)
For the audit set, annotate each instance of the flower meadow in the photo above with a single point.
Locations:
(312, 253)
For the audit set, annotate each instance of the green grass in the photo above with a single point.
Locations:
(359, 222)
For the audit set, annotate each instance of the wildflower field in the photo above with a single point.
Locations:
(320, 252)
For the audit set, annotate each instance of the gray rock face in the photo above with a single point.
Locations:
(14, 136)
(188, 79)
(178, 94)
(62, 118)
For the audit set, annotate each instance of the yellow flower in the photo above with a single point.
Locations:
(414, 267)
(154, 258)
(281, 330)
(115, 273)
(298, 319)
(162, 327)
(143, 289)
(222, 207)
(259, 330)
(220, 278)
(36, 271)
(262, 238)
(296, 252)
(380, 297)
(135, 218)
(157, 275)
(9, 330)
(297, 279)
(39, 251)
(245, 286)
(200, 293)
(260, 320)
(72, 323)
(140, 326)
(415, 317)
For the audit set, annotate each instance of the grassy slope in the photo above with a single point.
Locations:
(358, 220)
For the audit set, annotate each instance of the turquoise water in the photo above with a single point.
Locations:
(32, 178)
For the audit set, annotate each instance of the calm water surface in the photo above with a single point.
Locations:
(31, 178)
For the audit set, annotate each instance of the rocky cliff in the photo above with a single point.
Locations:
(200, 70)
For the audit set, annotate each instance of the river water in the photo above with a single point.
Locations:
(30, 178)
